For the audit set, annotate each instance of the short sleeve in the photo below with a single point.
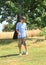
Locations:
(17, 26)
(25, 26)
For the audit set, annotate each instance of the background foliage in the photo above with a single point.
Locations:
(34, 10)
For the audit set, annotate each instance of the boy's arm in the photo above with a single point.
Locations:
(18, 32)
(17, 29)
(26, 30)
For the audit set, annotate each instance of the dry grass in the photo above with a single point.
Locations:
(33, 32)
(6, 35)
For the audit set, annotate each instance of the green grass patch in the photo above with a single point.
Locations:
(9, 53)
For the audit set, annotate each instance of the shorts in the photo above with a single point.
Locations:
(22, 41)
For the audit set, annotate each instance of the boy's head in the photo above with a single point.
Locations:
(23, 19)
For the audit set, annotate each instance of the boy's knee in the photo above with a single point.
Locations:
(19, 45)
(24, 44)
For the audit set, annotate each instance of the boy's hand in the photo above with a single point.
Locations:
(19, 33)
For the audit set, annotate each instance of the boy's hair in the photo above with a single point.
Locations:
(23, 18)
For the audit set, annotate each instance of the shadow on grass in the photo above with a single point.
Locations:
(10, 55)
(35, 39)
(6, 41)
(9, 41)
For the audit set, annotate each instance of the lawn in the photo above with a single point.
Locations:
(9, 53)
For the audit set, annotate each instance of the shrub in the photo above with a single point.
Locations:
(8, 27)
(43, 32)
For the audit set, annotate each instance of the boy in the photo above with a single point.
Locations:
(21, 30)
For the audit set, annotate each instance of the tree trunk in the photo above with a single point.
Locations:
(15, 36)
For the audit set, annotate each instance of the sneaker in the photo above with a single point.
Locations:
(26, 53)
(20, 54)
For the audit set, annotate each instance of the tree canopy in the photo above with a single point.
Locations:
(34, 10)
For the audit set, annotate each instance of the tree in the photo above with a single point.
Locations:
(8, 27)
(34, 10)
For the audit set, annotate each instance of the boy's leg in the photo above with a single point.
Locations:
(19, 46)
(24, 43)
